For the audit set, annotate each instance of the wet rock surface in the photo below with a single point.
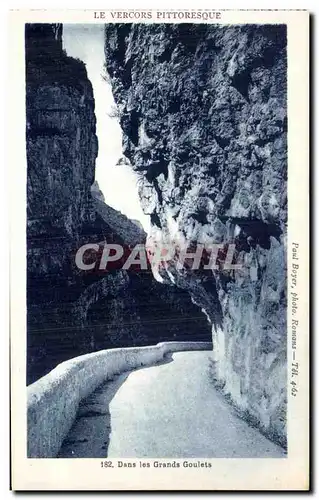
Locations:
(204, 116)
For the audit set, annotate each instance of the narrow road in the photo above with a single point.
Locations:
(170, 410)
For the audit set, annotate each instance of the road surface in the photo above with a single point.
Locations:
(169, 410)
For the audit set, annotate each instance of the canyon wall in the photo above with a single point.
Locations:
(204, 116)
(69, 311)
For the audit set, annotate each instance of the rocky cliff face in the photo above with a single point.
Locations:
(61, 149)
(71, 312)
(203, 112)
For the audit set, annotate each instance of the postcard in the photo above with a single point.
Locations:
(159, 250)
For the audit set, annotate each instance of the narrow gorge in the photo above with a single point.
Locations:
(203, 113)
(73, 312)
(204, 117)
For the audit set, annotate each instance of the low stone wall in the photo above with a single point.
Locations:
(53, 400)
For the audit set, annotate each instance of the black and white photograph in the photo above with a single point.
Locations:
(162, 286)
